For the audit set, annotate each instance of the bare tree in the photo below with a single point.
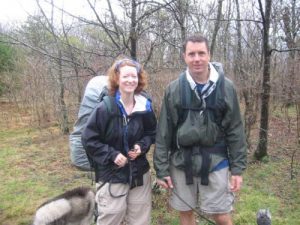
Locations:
(152, 31)
(217, 26)
(244, 80)
(59, 63)
(75, 65)
(262, 147)
(291, 28)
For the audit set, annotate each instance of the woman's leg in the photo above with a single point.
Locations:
(139, 203)
(111, 210)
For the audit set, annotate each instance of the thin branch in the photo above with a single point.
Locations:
(113, 18)
(150, 12)
(108, 31)
(240, 20)
(284, 50)
(261, 11)
(103, 25)
(44, 52)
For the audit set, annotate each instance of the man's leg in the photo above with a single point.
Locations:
(223, 219)
(216, 198)
(185, 197)
(187, 218)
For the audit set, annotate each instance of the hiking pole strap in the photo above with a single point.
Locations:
(188, 169)
(206, 161)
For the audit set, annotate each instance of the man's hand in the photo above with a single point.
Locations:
(166, 182)
(120, 160)
(236, 183)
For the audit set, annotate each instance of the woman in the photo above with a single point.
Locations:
(117, 137)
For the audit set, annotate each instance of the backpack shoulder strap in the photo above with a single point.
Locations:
(185, 94)
(218, 66)
(185, 97)
(145, 94)
(111, 107)
(219, 106)
(103, 93)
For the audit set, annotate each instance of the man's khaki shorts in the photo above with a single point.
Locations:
(216, 198)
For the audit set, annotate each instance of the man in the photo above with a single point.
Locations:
(200, 148)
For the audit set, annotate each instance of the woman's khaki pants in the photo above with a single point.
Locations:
(133, 209)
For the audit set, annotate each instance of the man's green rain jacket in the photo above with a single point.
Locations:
(167, 153)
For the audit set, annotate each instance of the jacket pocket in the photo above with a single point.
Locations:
(197, 129)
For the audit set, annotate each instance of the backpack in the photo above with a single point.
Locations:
(198, 122)
(200, 126)
(94, 93)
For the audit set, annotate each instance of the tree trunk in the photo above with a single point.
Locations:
(64, 121)
(262, 148)
(217, 26)
(74, 65)
(133, 33)
(290, 30)
(244, 81)
(298, 123)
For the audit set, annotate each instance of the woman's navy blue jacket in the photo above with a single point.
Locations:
(109, 132)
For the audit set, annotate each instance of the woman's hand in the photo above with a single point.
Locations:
(120, 160)
(135, 152)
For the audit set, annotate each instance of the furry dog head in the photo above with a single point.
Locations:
(74, 207)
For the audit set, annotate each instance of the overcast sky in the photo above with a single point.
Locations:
(12, 11)
(15, 10)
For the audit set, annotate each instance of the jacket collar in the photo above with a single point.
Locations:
(210, 85)
(142, 104)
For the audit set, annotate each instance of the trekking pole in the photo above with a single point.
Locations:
(193, 209)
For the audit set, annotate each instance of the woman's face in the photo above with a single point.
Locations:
(128, 79)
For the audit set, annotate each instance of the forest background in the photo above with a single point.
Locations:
(46, 61)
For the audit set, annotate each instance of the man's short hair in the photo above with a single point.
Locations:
(195, 38)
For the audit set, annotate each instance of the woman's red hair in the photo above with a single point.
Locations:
(114, 71)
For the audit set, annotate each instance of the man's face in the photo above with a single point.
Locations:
(196, 57)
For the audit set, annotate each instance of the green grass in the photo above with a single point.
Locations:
(250, 202)
(35, 165)
(267, 186)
